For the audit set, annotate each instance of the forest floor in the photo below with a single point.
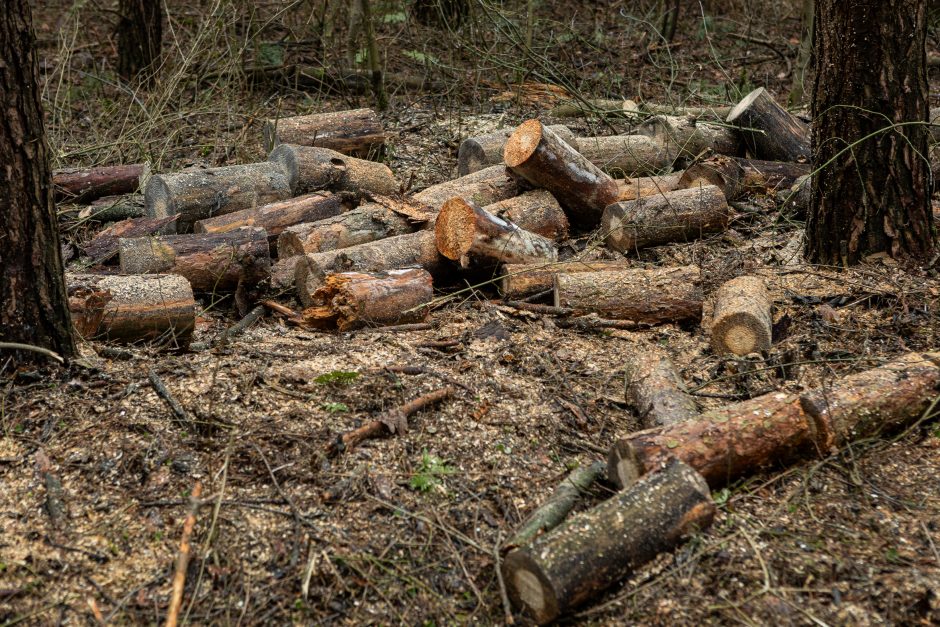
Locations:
(96, 475)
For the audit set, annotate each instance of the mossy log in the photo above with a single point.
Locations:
(769, 131)
(482, 187)
(476, 153)
(309, 169)
(356, 132)
(687, 138)
(84, 185)
(104, 246)
(742, 322)
(653, 387)
(638, 187)
(524, 279)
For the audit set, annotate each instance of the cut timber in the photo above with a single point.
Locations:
(654, 388)
(603, 545)
(520, 280)
(211, 262)
(633, 188)
(742, 322)
(536, 211)
(723, 172)
(357, 132)
(630, 109)
(283, 271)
(648, 295)
(310, 169)
(114, 208)
(626, 155)
(678, 216)
(539, 156)
(476, 153)
(482, 187)
(202, 193)
(132, 308)
(74, 185)
(770, 131)
(463, 229)
(350, 300)
(771, 176)
(687, 137)
(104, 245)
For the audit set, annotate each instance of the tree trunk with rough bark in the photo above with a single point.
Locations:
(139, 35)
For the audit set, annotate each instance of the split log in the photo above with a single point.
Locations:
(357, 132)
(723, 172)
(310, 169)
(626, 155)
(537, 211)
(476, 153)
(211, 262)
(132, 308)
(682, 215)
(539, 156)
(633, 188)
(464, 229)
(525, 279)
(599, 547)
(482, 187)
(114, 208)
(351, 300)
(104, 246)
(769, 131)
(742, 322)
(198, 194)
(83, 185)
(687, 137)
(648, 295)
(653, 387)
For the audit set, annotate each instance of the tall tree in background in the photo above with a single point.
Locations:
(870, 74)
(139, 35)
(33, 301)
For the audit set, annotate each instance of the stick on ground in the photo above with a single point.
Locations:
(182, 558)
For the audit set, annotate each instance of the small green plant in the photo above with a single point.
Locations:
(430, 473)
(337, 376)
(335, 408)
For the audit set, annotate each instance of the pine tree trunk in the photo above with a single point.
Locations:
(139, 34)
(33, 302)
(871, 74)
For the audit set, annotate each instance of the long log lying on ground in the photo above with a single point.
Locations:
(482, 187)
(681, 215)
(687, 138)
(356, 132)
(633, 188)
(104, 246)
(311, 169)
(83, 185)
(202, 193)
(600, 546)
(647, 295)
(626, 155)
(351, 300)
(525, 279)
(653, 387)
(482, 151)
(742, 322)
(211, 262)
(769, 131)
(132, 308)
(545, 160)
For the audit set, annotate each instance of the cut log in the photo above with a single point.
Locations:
(536, 211)
(769, 131)
(798, 197)
(482, 187)
(351, 300)
(653, 387)
(742, 322)
(648, 295)
(132, 308)
(476, 153)
(630, 109)
(211, 262)
(599, 547)
(723, 172)
(114, 208)
(283, 271)
(463, 229)
(357, 132)
(104, 246)
(678, 216)
(633, 188)
(520, 280)
(310, 169)
(626, 155)
(771, 176)
(202, 193)
(688, 138)
(84, 185)
(539, 156)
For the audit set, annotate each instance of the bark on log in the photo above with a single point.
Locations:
(687, 137)
(211, 262)
(653, 295)
(742, 322)
(539, 156)
(482, 187)
(626, 155)
(682, 215)
(357, 132)
(476, 153)
(283, 271)
(351, 300)
(769, 131)
(525, 279)
(605, 544)
(632, 110)
(633, 188)
(653, 387)
(202, 193)
(114, 208)
(104, 246)
(310, 169)
(723, 172)
(771, 176)
(84, 185)
(132, 308)
(537, 211)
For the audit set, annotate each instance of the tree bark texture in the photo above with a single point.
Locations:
(524, 279)
(687, 138)
(633, 188)
(482, 187)
(654, 388)
(139, 36)
(770, 131)
(84, 185)
(626, 155)
(357, 132)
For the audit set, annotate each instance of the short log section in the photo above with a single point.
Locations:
(309, 169)
(626, 155)
(483, 187)
(742, 322)
(525, 279)
(104, 246)
(725, 173)
(84, 185)
(476, 153)
(770, 131)
(357, 132)
(535, 211)
(655, 390)
(638, 187)
(688, 138)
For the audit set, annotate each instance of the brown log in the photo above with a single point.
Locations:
(742, 322)
(198, 194)
(678, 216)
(525, 279)
(351, 300)
(482, 187)
(132, 308)
(723, 172)
(211, 262)
(114, 208)
(536, 211)
(771, 176)
(545, 160)
(648, 295)
(83, 185)
(632, 110)
(104, 246)
(357, 132)
(769, 131)
(310, 169)
(633, 188)
(688, 137)
(798, 197)
(476, 153)
(626, 155)
(596, 548)
(653, 387)
(283, 271)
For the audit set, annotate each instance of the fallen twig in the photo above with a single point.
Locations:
(239, 327)
(592, 321)
(181, 415)
(182, 558)
(55, 502)
(497, 557)
(550, 310)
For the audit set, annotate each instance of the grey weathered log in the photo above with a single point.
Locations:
(627, 155)
(520, 280)
(723, 172)
(742, 322)
(769, 131)
(653, 387)
(309, 169)
(482, 187)
(633, 111)
(355, 132)
(687, 137)
(637, 187)
(476, 153)
(104, 246)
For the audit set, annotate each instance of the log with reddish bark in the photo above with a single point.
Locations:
(525, 279)
(311, 169)
(211, 262)
(356, 132)
(633, 188)
(84, 185)
(677, 216)
(626, 155)
(742, 322)
(482, 187)
(476, 153)
(769, 131)
(653, 387)
(687, 137)
(598, 547)
(725, 173)
(646, 295)
(104, 245)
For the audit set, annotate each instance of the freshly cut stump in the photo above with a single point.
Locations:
(525, 279)
(742, 321)
(687, 137)
(633, 188)
(482, 187)
(723, 172)
(653, 387)
(476, 153)
(626, 155)
(601, 546)
(770, 131)
(309, 169)
(356, 132)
